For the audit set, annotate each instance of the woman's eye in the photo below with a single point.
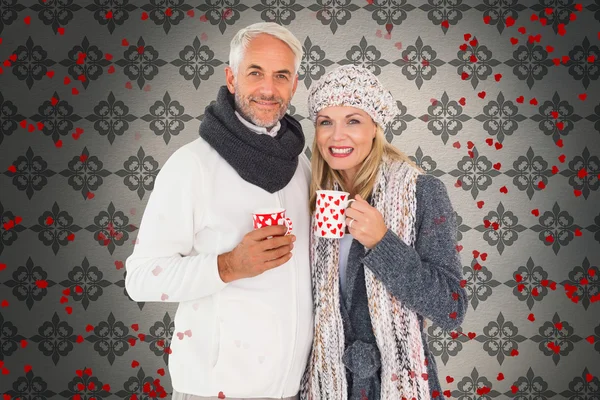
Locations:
(324, 123)
(354, 121)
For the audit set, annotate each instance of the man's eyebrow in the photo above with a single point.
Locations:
(258, 67)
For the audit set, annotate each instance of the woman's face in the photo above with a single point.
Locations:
(344, 138)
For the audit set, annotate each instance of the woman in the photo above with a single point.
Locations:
(398, 262)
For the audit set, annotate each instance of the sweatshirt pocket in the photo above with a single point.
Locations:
(250, 348)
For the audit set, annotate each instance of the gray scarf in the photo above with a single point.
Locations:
(264, 161)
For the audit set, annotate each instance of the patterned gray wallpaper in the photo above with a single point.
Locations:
(500, 99)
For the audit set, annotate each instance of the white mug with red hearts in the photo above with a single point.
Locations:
(330, 213)
(271, 216)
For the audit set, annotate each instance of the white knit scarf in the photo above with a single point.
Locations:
(396, 328)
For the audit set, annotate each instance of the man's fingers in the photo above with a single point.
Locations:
(277, 252)
(275, 242)
(266, 231)
(277, 262)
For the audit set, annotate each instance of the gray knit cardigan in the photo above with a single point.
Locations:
(425, 278)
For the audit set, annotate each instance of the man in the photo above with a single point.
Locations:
(243, 328)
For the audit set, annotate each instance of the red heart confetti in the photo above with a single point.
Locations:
(144, 16)
(514, 352)
(456, 145)
(590, 339)
(480, 204)
(445, 24)
(61, 30)
(161, 372)
(549, 49)
(462, 101)
(533, 101)
(41, 283)
(589, 377)
(561, 29)
(562, 158)
(531, 317)
(500, 376)
(514, 389)
(509, 21)
(565, 59)
(582, 96)
(533, 17)
(520, 99)
(135, 364)
(497, 77)
(555, 169)
(27, 20)
(535, 212)
(498, 145)
(481, 94)
(487, 19)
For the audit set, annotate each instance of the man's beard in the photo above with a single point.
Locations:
(243, 106)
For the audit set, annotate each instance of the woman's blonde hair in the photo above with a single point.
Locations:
(323, 177)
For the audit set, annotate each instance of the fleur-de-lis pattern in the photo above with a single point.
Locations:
(96, 95)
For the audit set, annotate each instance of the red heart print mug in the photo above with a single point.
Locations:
(271, 216)
(330, 213)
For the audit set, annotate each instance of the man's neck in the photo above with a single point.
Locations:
(271, 131)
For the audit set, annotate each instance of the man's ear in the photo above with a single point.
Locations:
(230, 79)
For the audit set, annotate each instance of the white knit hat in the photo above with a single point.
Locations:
(353, 86)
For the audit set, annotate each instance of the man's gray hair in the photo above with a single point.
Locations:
(242, 38)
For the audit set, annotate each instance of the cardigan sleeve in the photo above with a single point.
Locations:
(162, 266)
(426, 278)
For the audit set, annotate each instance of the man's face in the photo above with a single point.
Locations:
(265, 81)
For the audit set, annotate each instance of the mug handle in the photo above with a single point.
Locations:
(350, 201)
(288, 222)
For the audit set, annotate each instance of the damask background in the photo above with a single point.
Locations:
(500, 99)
